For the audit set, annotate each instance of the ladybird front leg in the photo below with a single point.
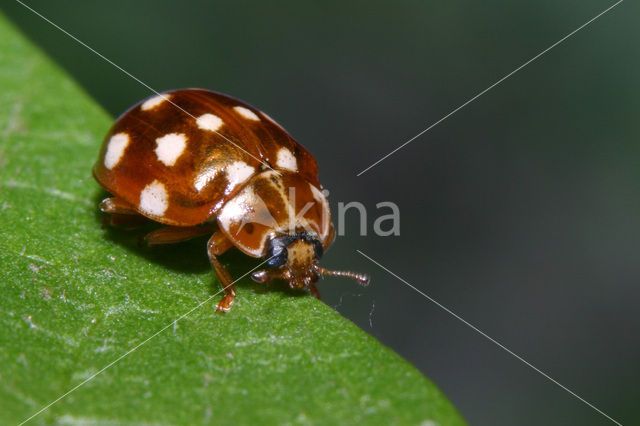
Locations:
(217, 245)
(314, 291)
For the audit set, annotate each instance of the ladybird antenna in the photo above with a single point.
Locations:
(362, 279)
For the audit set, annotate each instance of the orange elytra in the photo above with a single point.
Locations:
(201, 162)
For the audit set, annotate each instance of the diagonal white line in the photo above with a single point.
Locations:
(490, 87)
(115, 361)
(136, 79)
(500, 345)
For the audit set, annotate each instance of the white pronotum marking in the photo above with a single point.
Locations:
(245, 207)
(286, 160)
(209, 122)
(115, 150)
(320, 197)
(232, 211)
(246, 113)
(170, 147)
(151, 103)
(154, 199)
(238, 172)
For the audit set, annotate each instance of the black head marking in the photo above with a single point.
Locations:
(277, 251)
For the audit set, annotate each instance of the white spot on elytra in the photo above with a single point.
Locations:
(286, 160)
(151, 103)
(238, 172)
(154, 199)
(209, 122)
(204, 177)
(115, 150)
(170, 147)
(246, 113)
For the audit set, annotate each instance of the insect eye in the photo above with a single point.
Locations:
(317, 247)
(278, 255)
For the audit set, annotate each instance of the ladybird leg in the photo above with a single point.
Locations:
(126, 221)
(121, 214)
(314, 291)
(176, 234)
(116, 205)
(217, 245)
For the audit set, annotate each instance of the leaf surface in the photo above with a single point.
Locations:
(76, 297)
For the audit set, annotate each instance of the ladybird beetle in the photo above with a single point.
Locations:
(203, 163)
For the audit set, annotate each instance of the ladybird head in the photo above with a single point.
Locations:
(294, 258)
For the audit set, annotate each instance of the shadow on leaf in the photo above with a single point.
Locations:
(188, 257)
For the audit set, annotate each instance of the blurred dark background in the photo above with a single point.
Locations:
(521, 212)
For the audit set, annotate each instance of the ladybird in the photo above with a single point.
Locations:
(204, 163)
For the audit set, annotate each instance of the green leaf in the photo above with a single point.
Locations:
(75, 297)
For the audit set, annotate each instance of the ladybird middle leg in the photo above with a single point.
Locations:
(217, 245)
(176, 234)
